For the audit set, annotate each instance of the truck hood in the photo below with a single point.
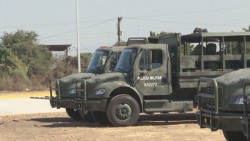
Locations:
(234, 77)
(68, 83)
(108, 77)
(76, 76)
(231, 88)
(104, 84)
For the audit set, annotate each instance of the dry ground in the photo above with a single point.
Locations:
(58, 126)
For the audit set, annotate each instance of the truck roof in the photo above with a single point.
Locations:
(224, 34)
(117, 48)
(197, 37)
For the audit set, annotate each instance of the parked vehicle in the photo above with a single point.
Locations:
(104, 60)
(221, 104)
(160, 76)
(223, 101)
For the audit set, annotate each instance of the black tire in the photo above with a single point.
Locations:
(123, 110)
(234, 136)
(74, 114)
(100, 117)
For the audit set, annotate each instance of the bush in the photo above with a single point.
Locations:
(14, 82)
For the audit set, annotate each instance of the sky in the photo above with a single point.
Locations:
(55, 20)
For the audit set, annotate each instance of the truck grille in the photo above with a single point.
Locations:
(211, 101)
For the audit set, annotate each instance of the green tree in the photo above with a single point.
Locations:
(35, 56)
(69, 65)
(161, 34)
(24, 45)
(85, 59)
(20, 36)
(189, 48)
(9, 62)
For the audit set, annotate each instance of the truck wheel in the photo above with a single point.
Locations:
(123, 110)
(234, 136)
(100, 117)
(74, 114)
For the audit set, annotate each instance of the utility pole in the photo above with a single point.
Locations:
(78, 39)
(119, 32)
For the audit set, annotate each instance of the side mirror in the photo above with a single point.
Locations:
(149, 60)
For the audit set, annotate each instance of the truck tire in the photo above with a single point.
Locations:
(74, 114)
(100, 117)
(234, 136)
(123, 110)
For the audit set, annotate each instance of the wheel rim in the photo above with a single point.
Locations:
(123, 111)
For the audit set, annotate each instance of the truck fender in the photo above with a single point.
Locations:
(126, 89)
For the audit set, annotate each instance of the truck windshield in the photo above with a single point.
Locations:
(97, 62)
(126, 60)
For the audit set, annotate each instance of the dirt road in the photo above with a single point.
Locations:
(58, 126)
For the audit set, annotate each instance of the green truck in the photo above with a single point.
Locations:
(160, 76)
(223, 104)
(223, 101)
(104, 60)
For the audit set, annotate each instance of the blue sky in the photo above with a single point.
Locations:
(55, 20)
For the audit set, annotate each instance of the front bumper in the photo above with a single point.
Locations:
(79, 104)
(223, 120)
(62, 102)
(91, 105)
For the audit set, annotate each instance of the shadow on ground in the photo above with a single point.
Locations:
(154, 119)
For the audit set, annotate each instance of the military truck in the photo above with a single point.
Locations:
(223, 101)
(160, 76)
(104, 60)
(223, 106)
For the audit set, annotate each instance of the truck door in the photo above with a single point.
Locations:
(153, 72)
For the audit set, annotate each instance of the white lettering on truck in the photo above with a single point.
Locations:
(149, 78)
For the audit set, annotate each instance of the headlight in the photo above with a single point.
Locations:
(100, 91)
(72, 91)
(239, 100)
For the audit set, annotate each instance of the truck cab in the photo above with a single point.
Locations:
(104, 60)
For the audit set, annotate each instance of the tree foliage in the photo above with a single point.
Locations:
(189, 49)
(22, 59)
(20, 36)
(23, 44)
(9, 62)
(161, 34)
(36, 57)
(85, 59)
(26, 64)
